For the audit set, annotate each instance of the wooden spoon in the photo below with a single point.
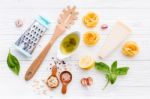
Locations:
(66, 78)
(66, 20)
(52, 80)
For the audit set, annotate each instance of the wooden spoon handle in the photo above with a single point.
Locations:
(38, 61)
(54, 70)
(64, 89)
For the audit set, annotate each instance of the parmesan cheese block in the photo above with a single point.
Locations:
(118, 34)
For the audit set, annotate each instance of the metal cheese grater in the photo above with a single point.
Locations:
(30, 38)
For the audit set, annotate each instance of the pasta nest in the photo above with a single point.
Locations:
(91, 19)
(130, 48)
(90, 38)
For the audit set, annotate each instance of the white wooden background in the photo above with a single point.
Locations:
(134, 12)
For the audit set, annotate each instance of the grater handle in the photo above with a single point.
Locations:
(38, 61)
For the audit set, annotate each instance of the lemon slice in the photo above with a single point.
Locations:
(86, 62)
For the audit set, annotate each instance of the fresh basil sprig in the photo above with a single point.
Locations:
(111, 72)
(13, 63)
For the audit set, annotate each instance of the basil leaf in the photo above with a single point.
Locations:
(111, 73)
(114, 66)
(113, 78)
(122, 71)
(13, 63)
(102, 67)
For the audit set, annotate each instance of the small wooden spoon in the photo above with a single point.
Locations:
(66, 78)
(52, 80)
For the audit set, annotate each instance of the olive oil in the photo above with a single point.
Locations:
(69, 43)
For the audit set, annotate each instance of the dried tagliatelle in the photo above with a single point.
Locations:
(90, 19)
(90, 38)
(130, 48)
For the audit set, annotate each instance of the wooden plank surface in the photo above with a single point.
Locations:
(133, 12)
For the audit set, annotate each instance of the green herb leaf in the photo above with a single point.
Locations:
(102, 67)
(114, 66)
(113, 78)
(111, 75)
(122, 70)
(13, 63)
